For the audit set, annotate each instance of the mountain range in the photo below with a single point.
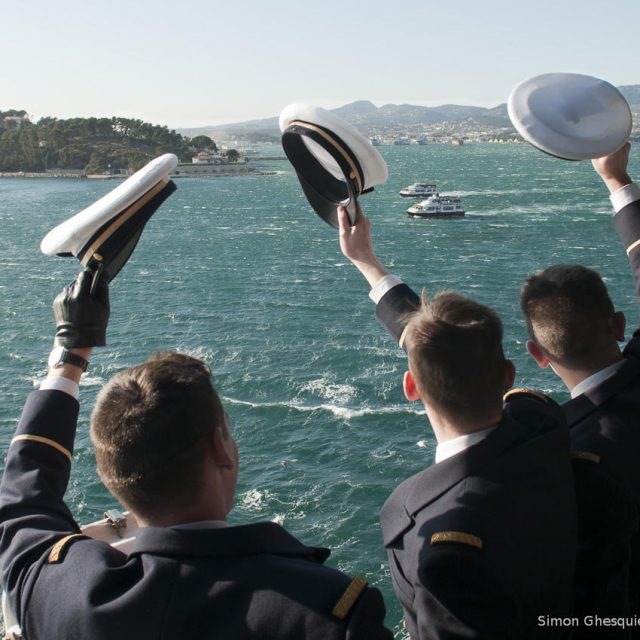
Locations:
(389, 118)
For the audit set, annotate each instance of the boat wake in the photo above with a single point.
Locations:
(342, 412)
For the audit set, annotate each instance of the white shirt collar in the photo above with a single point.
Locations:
(595, 379)
(451, 447)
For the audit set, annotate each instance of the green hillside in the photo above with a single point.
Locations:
(92, 145)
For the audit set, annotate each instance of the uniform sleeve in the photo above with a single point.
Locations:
(393, 308)
(33, 515)
(627, 223)
(367, 619)
(459, 597)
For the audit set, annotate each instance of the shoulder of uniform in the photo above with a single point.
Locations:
(585, 455)
(456, 537)
(513, 394)
(60, 548)
(348, 599)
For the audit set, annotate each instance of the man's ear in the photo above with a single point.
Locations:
(536, 353)
(509, 374)
(222, 448)
(619, 325)
(409, 387)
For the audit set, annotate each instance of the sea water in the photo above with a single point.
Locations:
(240, 272)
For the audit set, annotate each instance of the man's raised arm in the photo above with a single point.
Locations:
(625, 197)
(393, 299)
(33, 515)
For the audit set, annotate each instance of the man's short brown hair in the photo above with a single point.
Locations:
(569, 314)
(150, 426)
(454, 347)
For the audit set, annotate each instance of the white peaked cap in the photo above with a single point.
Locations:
(104, 235)
(72, 235)
(335, 162)
(571, 116)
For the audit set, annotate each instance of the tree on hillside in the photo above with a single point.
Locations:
(201, 143)
(232, 155)
(92, 145)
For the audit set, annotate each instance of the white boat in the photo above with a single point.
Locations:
(419, 190)
(437, 207)
(403, 140)
(376, 141)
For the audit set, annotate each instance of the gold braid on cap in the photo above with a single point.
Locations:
(355, 174)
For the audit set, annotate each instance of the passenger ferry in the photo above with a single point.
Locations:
(419, 190)
(437, 207)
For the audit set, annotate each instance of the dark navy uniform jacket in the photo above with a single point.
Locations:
(482, 544)
(605, 442)
(254, 581)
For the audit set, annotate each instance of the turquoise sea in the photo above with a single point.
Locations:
(240, 272)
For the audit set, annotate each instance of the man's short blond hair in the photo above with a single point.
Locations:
(454, 347)
(569, 314)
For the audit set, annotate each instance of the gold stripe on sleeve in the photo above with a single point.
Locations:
(59, 549)
(457, 536)
(633, 246)
(42, 440)
(349, 597)
(586, 455)
(526, 392)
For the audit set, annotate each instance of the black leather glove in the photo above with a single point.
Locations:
(82, 315)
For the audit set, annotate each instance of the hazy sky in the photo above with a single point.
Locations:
(189, 63)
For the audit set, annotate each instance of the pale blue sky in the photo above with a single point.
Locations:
(192, 63)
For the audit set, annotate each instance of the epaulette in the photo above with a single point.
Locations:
(349, 598)
(527, 392)
(60, 548)
(458, 537)
(586, 455)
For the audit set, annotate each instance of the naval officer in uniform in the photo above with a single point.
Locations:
(482, 543)
(574, 328)
(165, 449)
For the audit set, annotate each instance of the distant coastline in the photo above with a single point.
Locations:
(82, 176)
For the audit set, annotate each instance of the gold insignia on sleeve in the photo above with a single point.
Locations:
(632, 246)
(527, 392)
(42, 440)
(59, 549)
(586, 455)
(456, 536)
(349, 598)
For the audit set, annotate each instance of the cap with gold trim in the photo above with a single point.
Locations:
(104, 235)
(570, 116)
(335, 163)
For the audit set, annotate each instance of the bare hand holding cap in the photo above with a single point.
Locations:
(613, 168)
(335, 163)
(81, 314)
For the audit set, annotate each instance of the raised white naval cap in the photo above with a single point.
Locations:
(571, 116)
(104, 235)
(335, 163)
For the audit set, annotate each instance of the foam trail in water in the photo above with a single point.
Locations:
(338, 411)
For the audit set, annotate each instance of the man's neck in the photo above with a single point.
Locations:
(195, 514)
(573, 377)
(445, 429)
